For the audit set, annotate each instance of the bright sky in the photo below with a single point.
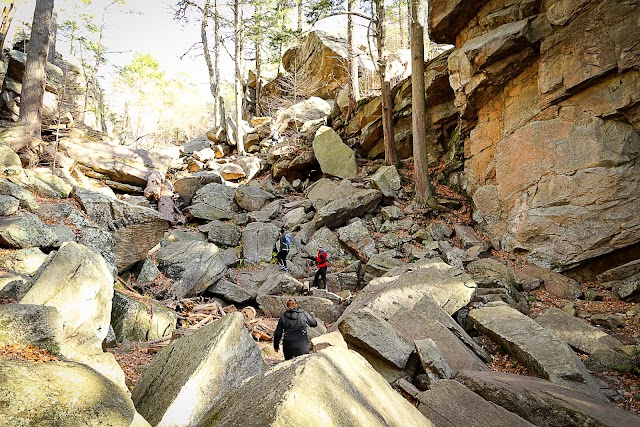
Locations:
(150, 29)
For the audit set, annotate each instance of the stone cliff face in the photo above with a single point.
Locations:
(549, 100)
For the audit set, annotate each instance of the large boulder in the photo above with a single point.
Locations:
(320, 58)
(543, 403)
(27, 324)
(77, 282)
(119, 162)
(335, 157)
(449, 403)
(325, 190)
(576, 332)
(140, 319)
(375, 339)
(387, 180)
(251, 198)
(186, 187)
(338, 212)
(193, 264)
(293, 395)
(41, 182)
(358, 238)
(214, 201)
(222, 233)
(188, 378)
(24, 261)
(436, 325)
(62, 394)
(539, 349)
(25, 230)
(294, 117)
(135, 229)
(322, 308)
(258, 240)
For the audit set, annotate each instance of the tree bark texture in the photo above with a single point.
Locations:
(354, 84)
(239, 88)
(33, 82)
(390, 153)
(424, 192)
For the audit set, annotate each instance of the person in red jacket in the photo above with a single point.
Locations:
(321, 263)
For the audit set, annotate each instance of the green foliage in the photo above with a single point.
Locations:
(319, 9)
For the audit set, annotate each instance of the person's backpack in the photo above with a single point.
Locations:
(283, 243)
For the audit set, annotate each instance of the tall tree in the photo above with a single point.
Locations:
(8, 11)
(390, 153)
(209, 11)
(33, 81)
(237, 10)
(423, 190)
(354, 84)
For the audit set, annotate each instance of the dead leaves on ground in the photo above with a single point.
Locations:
(29, 353)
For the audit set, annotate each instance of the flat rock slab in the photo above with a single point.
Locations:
(334, 387)
(186, 378)
(539, 349)
(450, 404)
(418, 326)
(365, 328)
(543, 403)
(576, 332)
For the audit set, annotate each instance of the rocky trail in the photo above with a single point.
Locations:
(140, 287)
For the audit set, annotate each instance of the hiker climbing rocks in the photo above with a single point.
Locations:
(282, 249)
(321, 263)
(293, 324)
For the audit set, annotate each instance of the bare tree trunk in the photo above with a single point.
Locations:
(33, 82)
(354, 89)
(239, 89)
(401, 24)
(300, 9)
(205, 47)
(7, 16)
(258, 75)
(54, 35)
(218, 110)
(424, 192)
(390, 154)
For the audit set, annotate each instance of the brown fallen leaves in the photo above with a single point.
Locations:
(132, 360)
(30, 353)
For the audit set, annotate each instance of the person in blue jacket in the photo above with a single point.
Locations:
(293, 325)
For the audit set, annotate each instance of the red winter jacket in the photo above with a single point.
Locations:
(321, 259)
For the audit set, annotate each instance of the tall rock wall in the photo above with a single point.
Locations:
(549, 96)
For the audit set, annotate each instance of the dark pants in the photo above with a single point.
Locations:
(282, 258)
(296, 348)
(322, 272)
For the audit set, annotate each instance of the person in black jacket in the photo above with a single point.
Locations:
(293, 324)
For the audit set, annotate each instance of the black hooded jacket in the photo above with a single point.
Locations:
(294, 325)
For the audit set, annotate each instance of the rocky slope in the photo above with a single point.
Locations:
(160, 251)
